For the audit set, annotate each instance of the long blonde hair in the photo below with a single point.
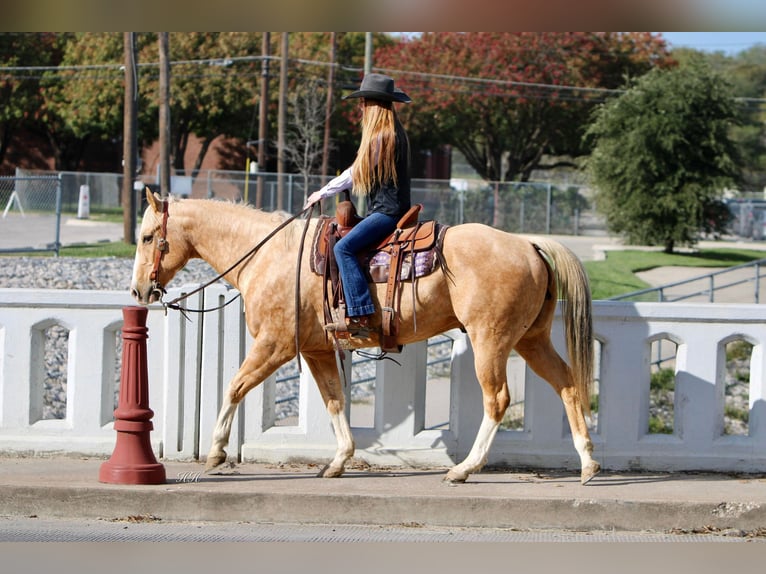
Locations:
(376, 157)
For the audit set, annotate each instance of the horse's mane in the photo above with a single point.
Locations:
(274, 217)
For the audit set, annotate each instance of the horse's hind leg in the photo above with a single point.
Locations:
(490, 369)
(325, 371)
(543, 359)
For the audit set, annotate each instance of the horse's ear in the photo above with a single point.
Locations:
(154, 200)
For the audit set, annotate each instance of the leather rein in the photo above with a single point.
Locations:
(161, 247)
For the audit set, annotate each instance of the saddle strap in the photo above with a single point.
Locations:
(389, 326)
(331, 279)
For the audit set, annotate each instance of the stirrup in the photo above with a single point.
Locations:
(354, 326)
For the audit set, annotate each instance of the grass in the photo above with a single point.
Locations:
(108, 249)
(113, 215)
(105, 249)
(616, 275)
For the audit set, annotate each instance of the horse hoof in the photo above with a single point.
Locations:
(589, 472)
(330, 472)
(454, 479)
(214, 462)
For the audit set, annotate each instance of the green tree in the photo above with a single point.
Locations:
(83, 97)
(20, 100)
(213, 92)
(747, 73)
(663, 155)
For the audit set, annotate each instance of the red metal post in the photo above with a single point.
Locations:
(133, 461)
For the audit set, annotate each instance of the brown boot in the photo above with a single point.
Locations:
(358, 325)
(355, 326)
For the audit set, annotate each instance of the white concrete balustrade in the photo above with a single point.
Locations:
(191, 362)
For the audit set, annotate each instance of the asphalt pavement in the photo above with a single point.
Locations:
(34, 231)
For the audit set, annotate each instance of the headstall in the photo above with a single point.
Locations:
(161, 246)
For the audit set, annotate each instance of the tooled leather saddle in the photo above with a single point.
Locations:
(411, 251)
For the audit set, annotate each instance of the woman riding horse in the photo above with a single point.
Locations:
(381, 173)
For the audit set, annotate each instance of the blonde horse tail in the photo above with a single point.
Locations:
(574, 289)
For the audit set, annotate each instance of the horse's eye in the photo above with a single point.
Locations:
(147, 238)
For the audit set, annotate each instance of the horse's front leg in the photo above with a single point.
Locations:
(325, 371)
(254, 370)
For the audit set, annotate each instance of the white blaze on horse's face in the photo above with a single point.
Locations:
(140, 283)
(141, 286)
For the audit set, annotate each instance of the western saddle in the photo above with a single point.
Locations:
(411, 251)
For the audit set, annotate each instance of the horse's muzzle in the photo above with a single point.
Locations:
(153, 294)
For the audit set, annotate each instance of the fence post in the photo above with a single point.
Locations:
(57, 244)
(548, 207)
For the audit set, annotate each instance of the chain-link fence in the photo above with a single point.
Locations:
(748, 218)
(538, 208)
(543, 208)
(31, 218)
(104, 189)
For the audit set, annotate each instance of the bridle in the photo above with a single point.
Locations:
(160, 247)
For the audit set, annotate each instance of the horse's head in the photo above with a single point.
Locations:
(160, 252)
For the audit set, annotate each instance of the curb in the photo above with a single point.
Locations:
(258, 493)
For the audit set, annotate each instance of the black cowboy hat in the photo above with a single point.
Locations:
(379, 87)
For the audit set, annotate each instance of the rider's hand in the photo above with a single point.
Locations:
(313, 198)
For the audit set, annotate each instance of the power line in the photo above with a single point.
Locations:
(227, 66)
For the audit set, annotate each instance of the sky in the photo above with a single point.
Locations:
(729, 42)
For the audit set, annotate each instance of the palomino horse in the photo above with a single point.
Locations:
(502, 291)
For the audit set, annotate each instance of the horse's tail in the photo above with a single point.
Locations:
(574, 289)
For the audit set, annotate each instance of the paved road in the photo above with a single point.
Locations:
(36, 231)
(25, 529)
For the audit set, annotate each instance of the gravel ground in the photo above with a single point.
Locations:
(101, 273)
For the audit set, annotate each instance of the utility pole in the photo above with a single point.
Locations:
(129, 141)
(328, 109)
(281, 120)
(263, 111)
(367, 52)
(164, 118)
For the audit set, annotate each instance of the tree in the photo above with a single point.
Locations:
(212, 93)
(83, 97)
(511, 101)
(663, 155)
(304, 146)
(20, 98)
(747, 73)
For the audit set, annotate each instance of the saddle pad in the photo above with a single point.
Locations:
(425, 263)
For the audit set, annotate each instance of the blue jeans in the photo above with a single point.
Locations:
(368, 232)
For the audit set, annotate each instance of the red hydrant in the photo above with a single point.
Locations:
(132, 461)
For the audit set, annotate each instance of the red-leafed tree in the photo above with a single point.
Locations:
(513, 102)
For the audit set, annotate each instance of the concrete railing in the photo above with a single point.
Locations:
(191, 362)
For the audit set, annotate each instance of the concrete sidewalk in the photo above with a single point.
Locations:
(38, 231)
(259, 493)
